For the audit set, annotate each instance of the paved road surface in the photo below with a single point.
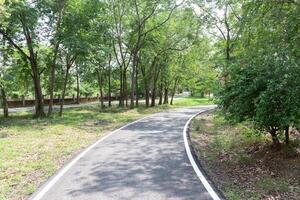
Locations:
(143, 161)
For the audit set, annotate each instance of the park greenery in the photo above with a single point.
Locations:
(261, 77)
(124, 49)
(244, 54)
(33, 149)
(242, 162)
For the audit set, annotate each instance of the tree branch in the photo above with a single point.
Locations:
(10, 40)
(163, 22)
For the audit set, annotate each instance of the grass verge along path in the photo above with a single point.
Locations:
(31, 149)
(241, 161)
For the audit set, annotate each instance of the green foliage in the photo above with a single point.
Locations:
(270, 185)
(232, 193)
(264, 91)
(262, 79)
(107, 38)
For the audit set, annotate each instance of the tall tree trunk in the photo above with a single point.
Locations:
(109, 82)
(153, 95)
(64, 90)
(147, 95)
(121, 94)
(146, 86)
(161, 88)
(155, 78)
(4, 103)
(136, 85)
(39, 108)
(53, 65)
(100, 83)
(287, 135)
(2, 90)
(125, 87)
(228, 40)
(133, 74)
(77, 86)
(153, 92)
(166, 96)
(52, 79)
(174, 90)
(161, 92)
(32, 58)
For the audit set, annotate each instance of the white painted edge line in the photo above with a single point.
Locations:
(63, 170)
(200, 175)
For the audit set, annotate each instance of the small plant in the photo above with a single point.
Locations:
(198, 127)
(271, 185)
(232, 194)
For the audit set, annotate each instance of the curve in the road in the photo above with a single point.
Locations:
(196, 168)
(145, 159)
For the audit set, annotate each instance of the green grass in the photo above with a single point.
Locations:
(232, 193)
(192, 101)
(31, 149)
(226, 138)
(242, 161)
(272, 185)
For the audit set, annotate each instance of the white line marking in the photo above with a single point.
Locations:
(62, 171)
(200, 175)
(56, 177)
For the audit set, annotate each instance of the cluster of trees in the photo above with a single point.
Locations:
(129, 49)
(150, 49)
(259, 43)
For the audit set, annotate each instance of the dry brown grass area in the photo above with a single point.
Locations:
(242, 162)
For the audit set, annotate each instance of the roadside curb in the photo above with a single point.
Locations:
(208, 183)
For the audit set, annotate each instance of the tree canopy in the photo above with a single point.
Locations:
(245, 52)
(123, 49)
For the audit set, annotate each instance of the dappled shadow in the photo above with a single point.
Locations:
(145, 160)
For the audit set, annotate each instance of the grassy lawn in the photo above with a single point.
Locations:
(192, 101)
(31, 149)
(242, 162)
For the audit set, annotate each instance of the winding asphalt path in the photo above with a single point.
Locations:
(143, 161)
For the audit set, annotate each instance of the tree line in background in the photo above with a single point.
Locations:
(246, 52)
(127, 49)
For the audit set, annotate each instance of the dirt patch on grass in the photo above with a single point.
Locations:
(242, 162)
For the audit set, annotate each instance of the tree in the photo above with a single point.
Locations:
(81, 46)
(23, 19)
(76, 38)
(263, 84)
(58, 9)
(222, 20)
